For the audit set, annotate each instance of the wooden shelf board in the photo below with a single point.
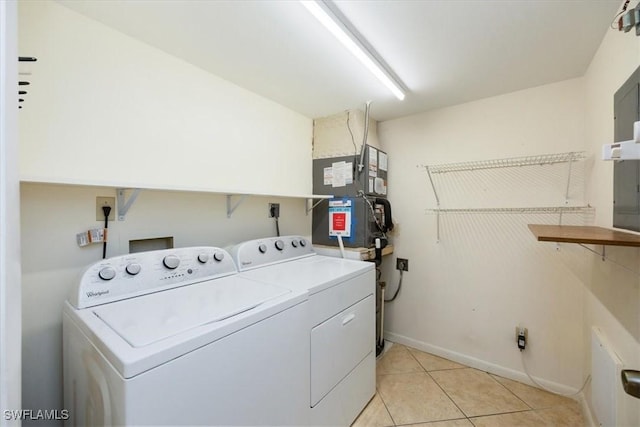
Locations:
(583, 234)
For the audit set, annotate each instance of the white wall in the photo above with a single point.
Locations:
(10, 310)
(463, 296)
(612, 300)
(106, 109)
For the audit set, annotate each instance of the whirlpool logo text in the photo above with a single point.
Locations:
(93, 294)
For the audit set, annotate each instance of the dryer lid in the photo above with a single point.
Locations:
(147, 319)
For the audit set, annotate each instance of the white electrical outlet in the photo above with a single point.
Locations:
(522, 337)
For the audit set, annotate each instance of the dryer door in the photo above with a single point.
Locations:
(339, 344)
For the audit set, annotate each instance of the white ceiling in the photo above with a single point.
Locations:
(445, 52)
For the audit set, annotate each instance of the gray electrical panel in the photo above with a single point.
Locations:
(626, 173)
(339, 176)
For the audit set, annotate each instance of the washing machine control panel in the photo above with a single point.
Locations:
(271, 250)
(131, 275)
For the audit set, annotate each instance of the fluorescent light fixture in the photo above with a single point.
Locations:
(351, 41)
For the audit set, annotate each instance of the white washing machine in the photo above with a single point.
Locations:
(176, 337)
(341, 324)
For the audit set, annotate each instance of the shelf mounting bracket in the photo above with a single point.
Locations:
(232, 207)
(311, 205)
(125, 204)
(435, 193)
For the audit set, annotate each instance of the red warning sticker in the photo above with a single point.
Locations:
(339, 221)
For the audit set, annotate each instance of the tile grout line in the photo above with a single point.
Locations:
(397, 373)
(384, 403)
(509, 390)
(380, 394)
(439, 386)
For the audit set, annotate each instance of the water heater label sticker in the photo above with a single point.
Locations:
(328, 176)
(382, 161)
(348, 173)
(339, 179)
(373, 162)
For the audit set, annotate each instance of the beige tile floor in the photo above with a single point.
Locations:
(419, 389)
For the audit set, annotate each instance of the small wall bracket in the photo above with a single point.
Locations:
(311, 205)
(232, 207)
(124, 205)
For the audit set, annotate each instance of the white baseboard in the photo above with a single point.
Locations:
(486, 366)
(589, 421)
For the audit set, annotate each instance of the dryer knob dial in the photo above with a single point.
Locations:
(294, 243)
(279, 245)
(107, 273)
(262, 248)
(218, 256)
(171, 262)
(303, 243)
(133, 268)
(203, 258)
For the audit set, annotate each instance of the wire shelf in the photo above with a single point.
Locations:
(543, 159)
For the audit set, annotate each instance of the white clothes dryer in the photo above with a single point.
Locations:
(341, 324)
(176, 337)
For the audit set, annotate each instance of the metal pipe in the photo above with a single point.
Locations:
(364, 137)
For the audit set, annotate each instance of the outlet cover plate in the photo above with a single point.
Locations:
(276, 207)
(402, 264)
(526, 334)
(105, 201)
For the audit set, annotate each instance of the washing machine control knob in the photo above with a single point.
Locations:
(171, 262)
(107, 273)
(279, 245)
(303, 243)
(218, 256)
(294, 243)
(262, 248)
(203, 258)
(133, 268)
